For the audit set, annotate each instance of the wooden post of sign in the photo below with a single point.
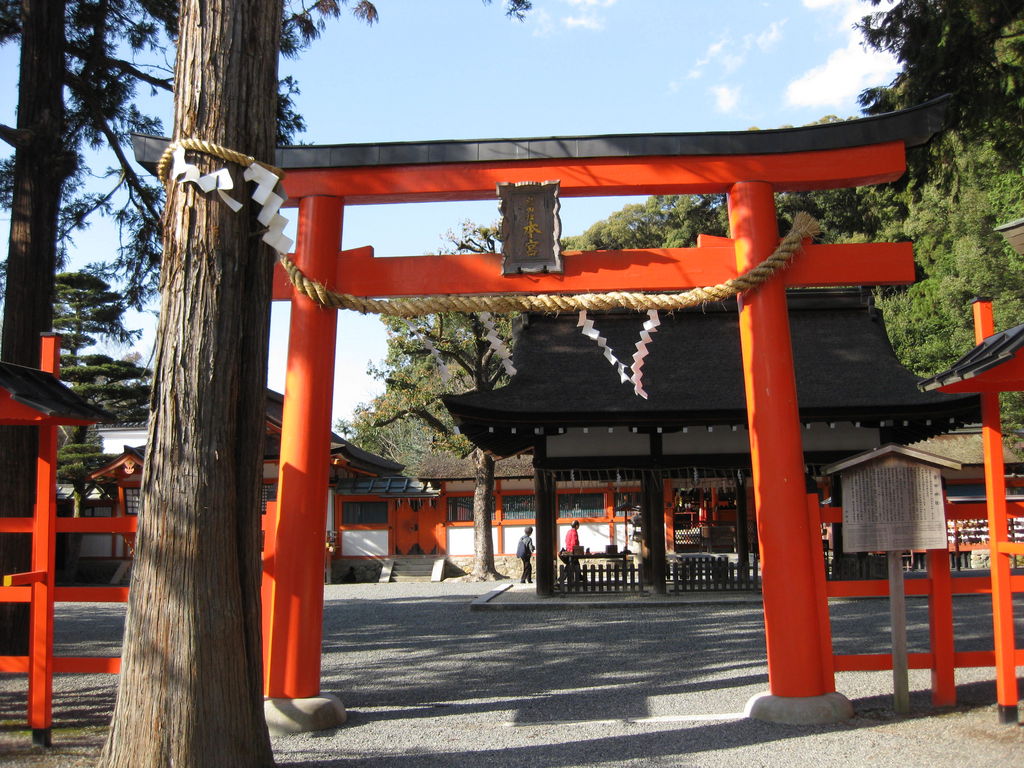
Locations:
(898, 625)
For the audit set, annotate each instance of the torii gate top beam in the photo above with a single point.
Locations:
(851, 153)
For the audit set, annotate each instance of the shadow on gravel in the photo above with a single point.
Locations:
(428, 658)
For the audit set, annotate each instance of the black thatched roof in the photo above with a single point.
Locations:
(48, 395)
(845, 367)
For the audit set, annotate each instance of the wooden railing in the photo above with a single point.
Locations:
(712, 574)
(599, 577)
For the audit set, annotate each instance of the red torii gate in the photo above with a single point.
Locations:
(749, 167)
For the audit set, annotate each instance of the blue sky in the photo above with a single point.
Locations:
(458, 69)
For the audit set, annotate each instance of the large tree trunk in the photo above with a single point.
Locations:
(40, 168)
(190, 692)
(483, 511)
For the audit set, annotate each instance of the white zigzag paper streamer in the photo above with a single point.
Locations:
(635, 373)
(441, 367)
(264, 194)
(650, 327)
(592, 333)
(219, 180)
(497, 344)
(269, 217)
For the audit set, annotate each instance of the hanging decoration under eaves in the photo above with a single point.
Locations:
(633, 373)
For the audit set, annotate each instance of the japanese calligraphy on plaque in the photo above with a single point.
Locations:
(893, 504)
(530, 227)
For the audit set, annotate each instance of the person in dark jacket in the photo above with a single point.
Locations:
(525, 552)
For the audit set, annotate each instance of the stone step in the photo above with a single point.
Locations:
(413, 569)
(417, 568)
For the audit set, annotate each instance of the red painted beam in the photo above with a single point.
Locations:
(596, 177)
(87, 664)
(90, 594)
(978, 510)
(15, 595)
(652, 269)
(16, 524)
(14, 665)
(24, 579)
(128, 524)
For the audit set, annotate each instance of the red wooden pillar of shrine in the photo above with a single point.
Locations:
(292, 663)
(40, 674)
(999, 561)
(797, 675)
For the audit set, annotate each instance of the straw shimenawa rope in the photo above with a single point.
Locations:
(804, 226)
(163, 166)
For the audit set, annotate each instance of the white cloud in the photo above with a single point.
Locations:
(767, 39)
(838, 81)
(584, 21)
(588, 17)
(849, 11)
(714, 50)
(542, 23)
(849, 69)
(729, 55)
(726, 98)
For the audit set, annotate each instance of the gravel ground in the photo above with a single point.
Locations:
(429, 682)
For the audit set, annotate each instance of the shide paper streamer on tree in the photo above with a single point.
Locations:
(264, 194)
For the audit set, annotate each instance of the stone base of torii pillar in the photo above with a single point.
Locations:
(799, 710)
(317, 713)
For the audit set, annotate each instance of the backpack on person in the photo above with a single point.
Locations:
(523, 550)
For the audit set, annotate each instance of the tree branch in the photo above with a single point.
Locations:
(19, 138)
(99, 122)
(125, 67)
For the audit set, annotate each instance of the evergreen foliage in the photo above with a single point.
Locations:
(87, 312)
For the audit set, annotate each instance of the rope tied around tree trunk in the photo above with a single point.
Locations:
(804, 226)
(163, 166)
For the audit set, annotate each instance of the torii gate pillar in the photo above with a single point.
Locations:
(800, 679)
(296, 591)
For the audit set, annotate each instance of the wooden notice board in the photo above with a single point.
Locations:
(892, 504)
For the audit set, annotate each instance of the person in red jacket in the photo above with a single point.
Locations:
(571, 573)
(572, 537)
